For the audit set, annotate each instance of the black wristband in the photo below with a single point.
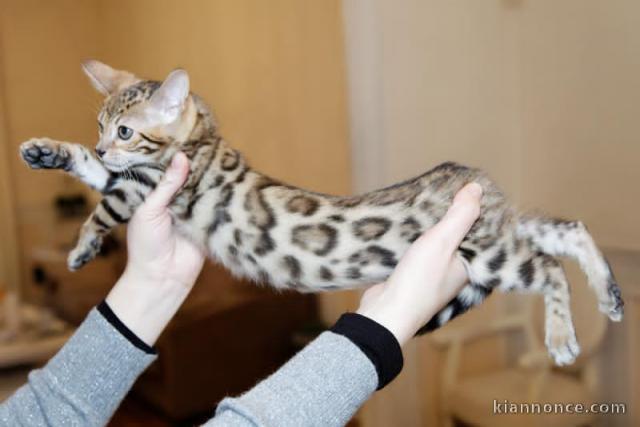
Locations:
(104, 309)
(375, 341)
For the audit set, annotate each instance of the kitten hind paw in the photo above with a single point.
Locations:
(614, 306)
(563, 348)
(44, 153)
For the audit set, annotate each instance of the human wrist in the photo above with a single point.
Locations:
(145, 304)
(396, 315)
(109, 315)
(375, 341)
(404, 308)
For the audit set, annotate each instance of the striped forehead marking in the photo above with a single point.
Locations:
(130, 96)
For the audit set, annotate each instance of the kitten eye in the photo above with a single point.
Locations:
(124, 132)
(100, 127)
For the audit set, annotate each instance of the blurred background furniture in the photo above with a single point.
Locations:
(533, 380)
(226, 337)
(214, 349)
(533, 377)
(621, 350)
(39, 337)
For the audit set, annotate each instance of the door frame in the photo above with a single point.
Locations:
(9, 243)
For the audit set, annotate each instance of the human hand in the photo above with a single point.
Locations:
(162, 265)
(429, 274)
(156, 252)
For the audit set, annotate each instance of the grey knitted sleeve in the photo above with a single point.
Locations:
(323, 385)
(83, 384)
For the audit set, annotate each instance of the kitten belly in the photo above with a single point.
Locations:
(322, 252)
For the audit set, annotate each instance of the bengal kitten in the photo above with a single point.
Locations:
(272, 232)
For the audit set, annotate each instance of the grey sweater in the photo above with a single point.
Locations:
(323, 385)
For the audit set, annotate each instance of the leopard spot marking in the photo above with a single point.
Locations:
(303, 205)
(371, 228)
(317, 238)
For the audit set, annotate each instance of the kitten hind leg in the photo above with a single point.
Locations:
(570, 238)
(560, 334)
(514, 267)
(471, 295)
(529, 272)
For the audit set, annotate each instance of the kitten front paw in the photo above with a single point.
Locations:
(45, 153)
(83, 253)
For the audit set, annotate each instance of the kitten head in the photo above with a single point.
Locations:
(140, 119)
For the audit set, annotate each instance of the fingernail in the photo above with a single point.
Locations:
(475, 189)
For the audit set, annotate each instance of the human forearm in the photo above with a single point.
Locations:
(84, 383)
(146, 306)
(325, 383)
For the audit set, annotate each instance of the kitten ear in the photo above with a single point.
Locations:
(105, 79)
(168, 100)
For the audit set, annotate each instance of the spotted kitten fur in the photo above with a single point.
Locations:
(275, 233)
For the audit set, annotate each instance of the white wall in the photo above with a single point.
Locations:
(543, 94)
(579, 68)
(430, 81)
(436, 81)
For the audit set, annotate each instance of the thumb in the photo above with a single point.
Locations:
(461, 215)
(171, 182)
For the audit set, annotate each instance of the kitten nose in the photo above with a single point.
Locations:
(100, 152)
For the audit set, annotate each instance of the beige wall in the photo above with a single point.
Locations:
(273, 72)
(41, 45)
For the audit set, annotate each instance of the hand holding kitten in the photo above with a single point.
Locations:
(429, 274)
(162, 265)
